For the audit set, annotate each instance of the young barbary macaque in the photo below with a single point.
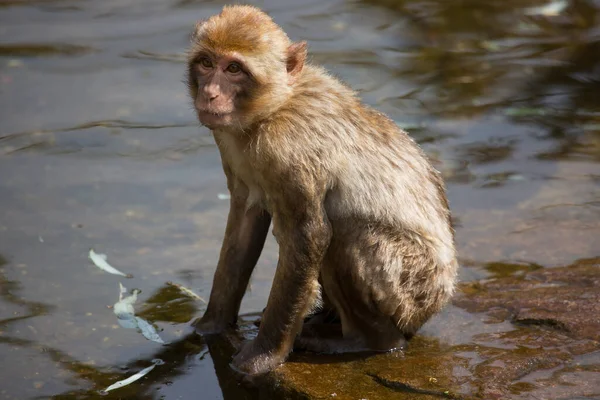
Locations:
(360, 215)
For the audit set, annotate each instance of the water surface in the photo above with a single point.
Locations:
(99, 148)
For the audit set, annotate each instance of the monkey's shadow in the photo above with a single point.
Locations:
(327, 328)
(330, 329)
(223, 348)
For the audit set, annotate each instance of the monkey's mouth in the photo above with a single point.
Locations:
(214, 113)
(213, 119)
(211, 113)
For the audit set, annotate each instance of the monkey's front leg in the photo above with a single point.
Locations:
(303, 242)
(244, 240)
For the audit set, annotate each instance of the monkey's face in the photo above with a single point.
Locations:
(241, 67)
(219, 85)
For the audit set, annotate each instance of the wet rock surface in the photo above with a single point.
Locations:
(535, 335)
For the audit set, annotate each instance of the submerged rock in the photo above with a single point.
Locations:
(533, 335)
(564, 299)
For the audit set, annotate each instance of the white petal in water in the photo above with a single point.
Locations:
(123, 308)
(122, 291)
(125, 313)
(14, 63)
(127, 323)
(148, 330)
(100, 261)
(551, 9)
(133, 378)
(516, 177)
(186, 291)
(339, 26)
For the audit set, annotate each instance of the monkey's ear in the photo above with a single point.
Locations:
(296, 56)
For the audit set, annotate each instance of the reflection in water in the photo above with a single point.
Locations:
(506, 269)
(176, 356)
(479, 57)
(8, 294)
(42, 50)
(55, 141)
(99, 147)
(177, 359)
(169, 304)
(573, 90)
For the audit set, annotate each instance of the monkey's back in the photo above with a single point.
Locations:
(376, 173)
(386, 204)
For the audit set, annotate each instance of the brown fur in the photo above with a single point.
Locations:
(359, 213)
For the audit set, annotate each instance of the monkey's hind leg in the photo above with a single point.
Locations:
(341, 327)
(384, 284)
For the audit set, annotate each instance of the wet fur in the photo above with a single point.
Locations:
(358, 211)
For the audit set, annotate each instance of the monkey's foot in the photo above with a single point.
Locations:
(253, 360)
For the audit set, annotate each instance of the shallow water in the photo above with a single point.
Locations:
(99, 148)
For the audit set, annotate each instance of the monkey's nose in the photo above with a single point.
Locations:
(211, 92)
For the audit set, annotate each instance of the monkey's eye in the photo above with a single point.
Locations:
(234, 68)
(205, 62)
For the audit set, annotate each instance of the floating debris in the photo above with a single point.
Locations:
(491, 45)
(134, 377)
(148, 330)
(124, 307)
(339, 26)
(14, 63)
(224, 196)
(591, 127)
(186, 291)
(516, 177)
(100, 261)
(41, 239)
(551, 9)
(126, 317)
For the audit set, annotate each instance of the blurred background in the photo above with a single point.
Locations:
(99, 148)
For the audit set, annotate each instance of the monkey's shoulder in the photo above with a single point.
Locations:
(318, 93)
(325, 120)
(324, 103)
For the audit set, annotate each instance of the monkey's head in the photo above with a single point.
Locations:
(241, 67)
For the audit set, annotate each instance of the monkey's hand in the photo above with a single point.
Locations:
(253, 360)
